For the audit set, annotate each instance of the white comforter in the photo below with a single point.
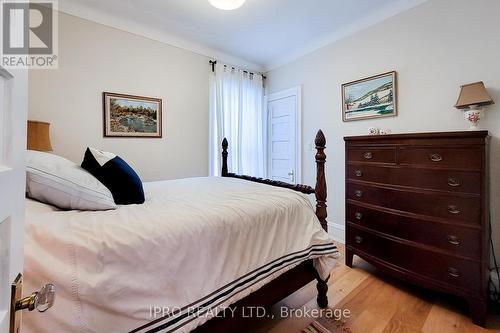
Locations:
(191, 239)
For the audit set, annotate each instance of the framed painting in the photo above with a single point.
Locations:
(373, 97)
(132, 116)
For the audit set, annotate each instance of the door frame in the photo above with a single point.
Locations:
(7, 77)
(13, 114)
(291, 92)
(5, 221)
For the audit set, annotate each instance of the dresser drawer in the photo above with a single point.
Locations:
(465, 209)
(443, 268)
(436, 179)
(372, 154)
(447, 157)
(457, 240)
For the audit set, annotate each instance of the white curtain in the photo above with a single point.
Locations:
(237, 113)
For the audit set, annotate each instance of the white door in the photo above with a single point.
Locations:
(284, 136)
(13, 113)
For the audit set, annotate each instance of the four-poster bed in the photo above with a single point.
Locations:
(297, 277)
(195, 249)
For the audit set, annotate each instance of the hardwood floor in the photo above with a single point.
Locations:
(377, 303)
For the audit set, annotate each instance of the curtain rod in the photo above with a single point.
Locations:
(214, 62)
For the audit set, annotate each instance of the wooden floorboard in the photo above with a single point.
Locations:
(378, 304)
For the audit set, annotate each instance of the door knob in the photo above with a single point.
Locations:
(291, 174)
(41, 300)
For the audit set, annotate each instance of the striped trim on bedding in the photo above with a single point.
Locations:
(174, 321)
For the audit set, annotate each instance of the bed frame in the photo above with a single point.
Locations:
(293, 279)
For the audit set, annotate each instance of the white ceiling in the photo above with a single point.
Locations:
(262, 34)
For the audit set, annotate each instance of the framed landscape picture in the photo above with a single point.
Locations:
(373, 97)
(132, 116)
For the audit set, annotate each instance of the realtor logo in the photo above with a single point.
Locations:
(29, 34)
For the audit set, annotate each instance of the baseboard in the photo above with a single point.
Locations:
(337, 232)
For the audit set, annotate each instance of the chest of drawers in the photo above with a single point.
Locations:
(417, 208)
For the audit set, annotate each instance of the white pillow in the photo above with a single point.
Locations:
(57, 181)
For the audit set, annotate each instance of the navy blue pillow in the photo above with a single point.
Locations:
(116, 175)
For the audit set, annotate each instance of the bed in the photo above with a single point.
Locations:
(196, 248)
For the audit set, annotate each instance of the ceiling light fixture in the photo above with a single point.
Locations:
(227, 4)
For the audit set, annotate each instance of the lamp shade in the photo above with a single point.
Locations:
(39, 136)
(473, 94)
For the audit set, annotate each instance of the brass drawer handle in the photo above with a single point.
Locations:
(454, 240)
(358, 173)
(358, 193)
(358, 239)
(436, 158)
(453, 272)
(453, 182)
(453, 209)
(368, 155)
(358, 215)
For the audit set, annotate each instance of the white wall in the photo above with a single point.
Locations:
(435, 48)
(94, 58)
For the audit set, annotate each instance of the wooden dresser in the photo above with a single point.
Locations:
(417, 207)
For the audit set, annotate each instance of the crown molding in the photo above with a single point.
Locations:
(376, 17)
(81, 10)
(76, 8)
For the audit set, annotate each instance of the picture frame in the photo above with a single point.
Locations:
(131, 116)
(371, 97)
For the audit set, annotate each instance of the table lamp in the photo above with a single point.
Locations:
(38, 136)
(472, 100)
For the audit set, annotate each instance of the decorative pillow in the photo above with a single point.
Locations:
(116, 175)
(57, 181)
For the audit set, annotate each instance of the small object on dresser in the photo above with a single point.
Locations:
(472, 100)
(385, 132)
(373, 131)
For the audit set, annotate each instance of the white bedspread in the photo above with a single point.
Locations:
(191, 239)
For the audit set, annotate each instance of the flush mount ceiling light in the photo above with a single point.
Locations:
(227, 4)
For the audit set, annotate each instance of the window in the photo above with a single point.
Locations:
(237, 113)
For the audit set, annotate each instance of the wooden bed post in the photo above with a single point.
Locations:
(321, 213)
(320, 192)
(224, 158)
